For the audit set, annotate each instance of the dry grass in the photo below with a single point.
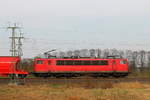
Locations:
(86, 91)
(131, 85)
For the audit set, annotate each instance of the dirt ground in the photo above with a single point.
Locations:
(88, 91)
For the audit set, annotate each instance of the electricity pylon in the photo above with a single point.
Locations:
(16, 43)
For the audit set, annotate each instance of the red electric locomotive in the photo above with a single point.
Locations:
(96, 67)
(9, 66)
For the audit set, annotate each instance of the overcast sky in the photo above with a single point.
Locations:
(76, 24)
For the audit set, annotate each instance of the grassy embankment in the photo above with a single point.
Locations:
(88, 91)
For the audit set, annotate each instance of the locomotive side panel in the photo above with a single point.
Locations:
(83, 65)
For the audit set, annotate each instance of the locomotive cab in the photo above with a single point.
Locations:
(120, 67)
(42, 67)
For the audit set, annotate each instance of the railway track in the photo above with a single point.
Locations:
(75, 80)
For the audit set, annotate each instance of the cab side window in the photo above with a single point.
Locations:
(39, 61)
(122, 62)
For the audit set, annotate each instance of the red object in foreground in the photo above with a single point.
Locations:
(77, 67)
(9, 66)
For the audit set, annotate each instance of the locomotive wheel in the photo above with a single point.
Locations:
(22, 75)
(12, 76)
(117, 75)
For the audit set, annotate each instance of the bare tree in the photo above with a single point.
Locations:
(61, 54)
(129, 55)
(148, 54)
(121, 53)
(77, 53)
(134, 56)
(92, 53)
(69, 53)
(99, 53)
(142, 59)
(84, 53)
(114, 52)
(106, 53)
